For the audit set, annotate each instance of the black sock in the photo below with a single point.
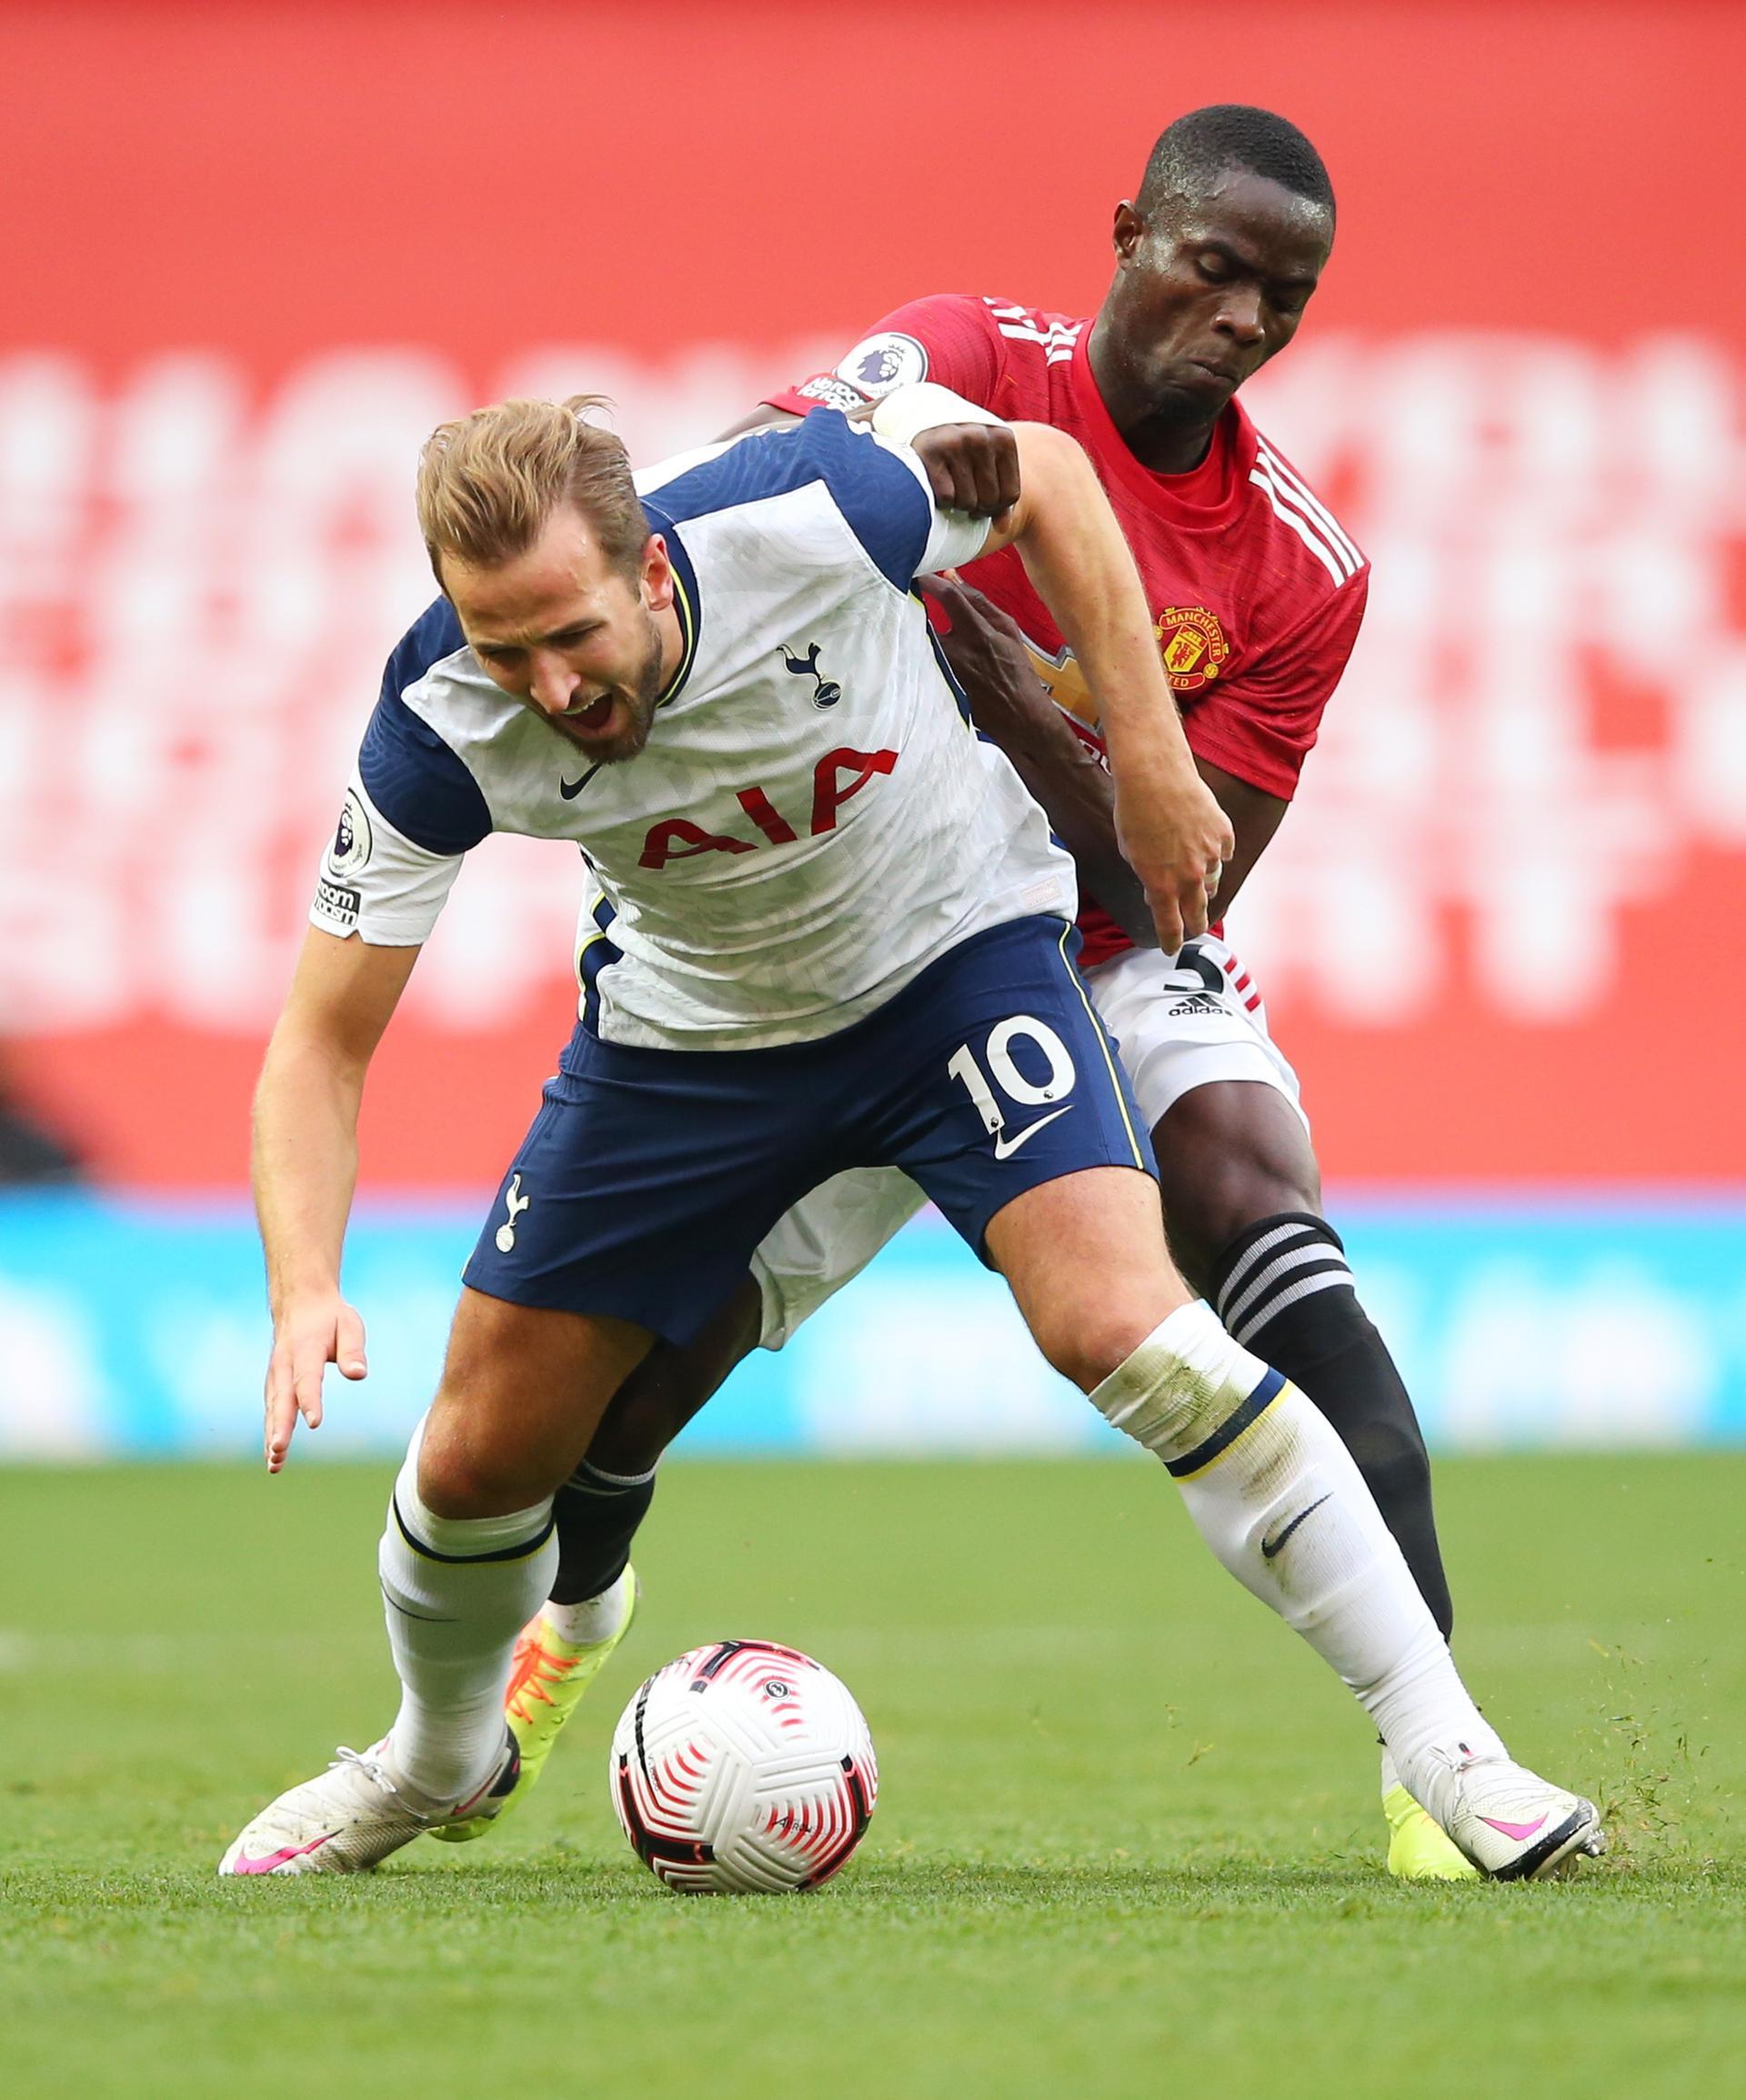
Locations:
(1282, 1289)
(597, 1514)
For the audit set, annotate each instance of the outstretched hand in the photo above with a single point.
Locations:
(1177, 839)
(308, 1334)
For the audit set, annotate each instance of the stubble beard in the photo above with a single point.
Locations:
(640, 694)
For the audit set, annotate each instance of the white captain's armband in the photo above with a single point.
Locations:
(904, 414)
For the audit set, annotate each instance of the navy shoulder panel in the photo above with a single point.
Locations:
(419, 784)
(884, 504)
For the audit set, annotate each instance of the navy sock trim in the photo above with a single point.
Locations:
(426, 1552)
(1229, 1430)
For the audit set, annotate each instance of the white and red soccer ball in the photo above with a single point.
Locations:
(743, 1767)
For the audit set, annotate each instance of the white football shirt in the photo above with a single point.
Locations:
(812, 821)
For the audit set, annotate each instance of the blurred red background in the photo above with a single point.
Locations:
(1539, 206)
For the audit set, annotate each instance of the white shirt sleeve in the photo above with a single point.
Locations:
(376, 883)
(955, 536)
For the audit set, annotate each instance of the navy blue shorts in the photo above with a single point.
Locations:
(649, 1176)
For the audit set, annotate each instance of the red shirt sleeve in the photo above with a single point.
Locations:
(950, 338)
(1262, 725)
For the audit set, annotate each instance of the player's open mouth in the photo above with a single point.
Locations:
(593, 718)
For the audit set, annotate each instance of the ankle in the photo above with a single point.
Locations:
(434, 1784)
(593, 1618)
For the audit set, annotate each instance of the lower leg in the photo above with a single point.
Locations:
(455, 1591)
(470, 1549)
(600, 1508)
(1283, 1290)
(597, 1514)
(1268, 1485)
(1278, 1500)
(1242, 1201)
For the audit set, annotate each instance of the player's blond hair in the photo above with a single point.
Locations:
(488, 482)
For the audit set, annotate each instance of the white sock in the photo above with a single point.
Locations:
(595, 1618)
(1276, 1495)
(458, 1591)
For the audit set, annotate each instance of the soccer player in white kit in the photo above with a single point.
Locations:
(832, 933)
(1257, 594)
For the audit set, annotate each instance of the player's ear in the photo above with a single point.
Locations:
(1128, 231)
(655, 583)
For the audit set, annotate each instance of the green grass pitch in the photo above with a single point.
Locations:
(1127, 1841)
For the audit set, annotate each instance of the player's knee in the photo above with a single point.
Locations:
(459, 1479)
(646, 1413)
(1087, 1347)
(1248, 1190)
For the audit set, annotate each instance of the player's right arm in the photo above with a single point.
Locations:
(305, 1164)
(413, 811)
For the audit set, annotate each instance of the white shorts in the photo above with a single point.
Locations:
(1186, 1023)
(1178, 1024)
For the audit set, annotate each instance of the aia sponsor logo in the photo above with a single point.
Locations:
(837, 776)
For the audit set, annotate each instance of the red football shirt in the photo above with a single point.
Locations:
(1256, 590)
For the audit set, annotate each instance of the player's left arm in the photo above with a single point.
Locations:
(1010, 705)
(1172, 832)
(1013, 709)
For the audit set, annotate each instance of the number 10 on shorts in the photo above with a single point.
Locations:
(963, 1066)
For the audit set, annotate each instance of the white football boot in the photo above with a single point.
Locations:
(1511, 1823)
(353, 1816)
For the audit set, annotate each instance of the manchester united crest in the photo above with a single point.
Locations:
(1193, 646)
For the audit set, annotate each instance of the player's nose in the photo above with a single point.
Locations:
(1240, 315)
(551, 683)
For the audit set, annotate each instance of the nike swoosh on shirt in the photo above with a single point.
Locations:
(1004, 1148)
(570, 789)
(1271, 1546)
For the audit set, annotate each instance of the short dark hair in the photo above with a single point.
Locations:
(1198, 147)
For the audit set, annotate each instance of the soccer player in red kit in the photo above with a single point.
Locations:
(1257, 593)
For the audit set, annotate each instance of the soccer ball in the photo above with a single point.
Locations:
(743, 1767)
